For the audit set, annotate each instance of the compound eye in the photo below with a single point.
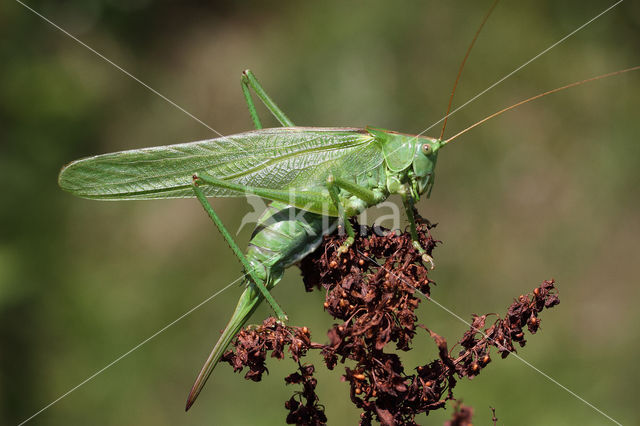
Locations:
(426, 149)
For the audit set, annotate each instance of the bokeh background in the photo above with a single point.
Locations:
(548, 190)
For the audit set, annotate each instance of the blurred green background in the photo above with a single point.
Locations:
(548, 190)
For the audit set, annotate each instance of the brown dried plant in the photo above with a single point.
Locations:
(372, 292)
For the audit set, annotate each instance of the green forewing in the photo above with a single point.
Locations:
(279, 158)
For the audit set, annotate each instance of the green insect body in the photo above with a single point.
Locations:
(314, 177)
(284, 164)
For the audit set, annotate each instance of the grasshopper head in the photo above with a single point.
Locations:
(409, 159)
(424, 164)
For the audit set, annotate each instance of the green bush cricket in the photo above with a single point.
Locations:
(314, 177)
(310, 174)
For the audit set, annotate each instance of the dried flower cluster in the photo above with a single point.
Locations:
(522, 312)
(373, 291)
(250, 350)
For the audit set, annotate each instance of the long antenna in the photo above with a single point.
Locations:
(475, 37)
(577, 83)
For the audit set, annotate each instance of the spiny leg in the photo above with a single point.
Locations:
(370, 197)
(407, 201)
(313, 201)
(250, 81)
(227, 236)
(344, 220)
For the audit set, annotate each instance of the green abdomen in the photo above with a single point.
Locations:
(283, 236)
